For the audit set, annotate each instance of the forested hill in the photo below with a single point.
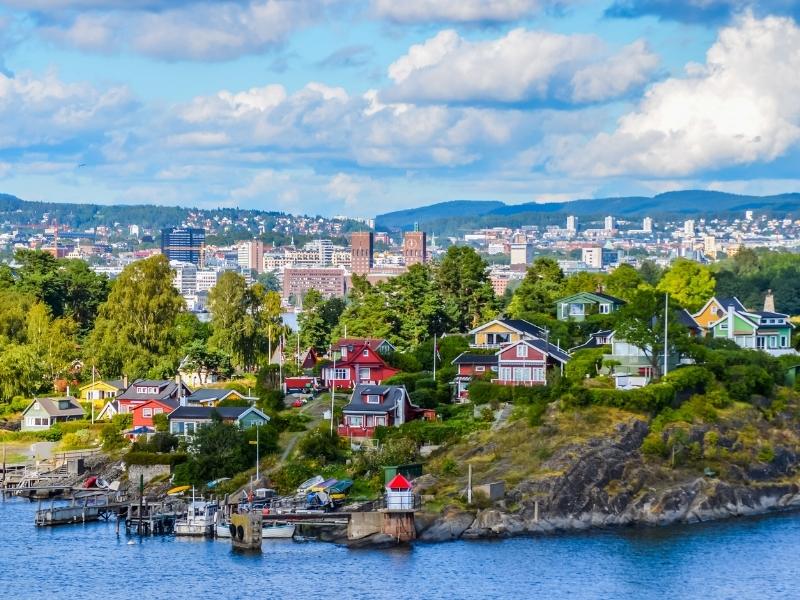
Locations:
(450, 217)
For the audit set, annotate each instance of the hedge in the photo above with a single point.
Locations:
(483, 392)
(652, 398)
(150, 458)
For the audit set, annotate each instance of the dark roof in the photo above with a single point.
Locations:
(168, 402)
(732, 301)
(50, 406)
(609, 297)
(392, 396)
(770, 315)
(205, 412)
(687, 320)
(548, 348)
(470, 358)
(210, 394)
(373, 343)
(117, 383)
(166, 387)
(592, 341)
(525, 327)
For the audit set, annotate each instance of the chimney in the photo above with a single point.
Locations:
(125, 381)
(178, 379)
(731, 321)
(769, 302)
(599, 288)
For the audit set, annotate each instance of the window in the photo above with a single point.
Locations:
(522, 351)
(576, 309)
(366, 352)
(480, 369)
(147, 412)
(605, 309)
(380, 421)
(355, 420)
(340, 374)
(538, 373)
(344, 351)
(773, 341)
(36, 406)
(373, 399)
(498, 338)
(505, 373)
(141, 390)
(363, 374)
(158, 411)
(176, 427)
(522, 373)
(723, 325)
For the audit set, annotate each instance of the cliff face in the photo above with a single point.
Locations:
(590, 470)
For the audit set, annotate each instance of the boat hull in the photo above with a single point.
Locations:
(268, 532)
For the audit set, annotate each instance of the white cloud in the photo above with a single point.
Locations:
(461, 11)
(181, 30)
(522, 66)
(740, 107)
(344, 187)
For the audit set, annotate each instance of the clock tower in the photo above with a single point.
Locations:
(415, 248)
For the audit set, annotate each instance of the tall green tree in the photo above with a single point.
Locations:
(465, 288)
(542, 286)
(21, 371)
(135, 327)
(623, 282)
(689, 283)
(314, 330)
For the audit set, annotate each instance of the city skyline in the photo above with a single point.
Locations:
(335, 107)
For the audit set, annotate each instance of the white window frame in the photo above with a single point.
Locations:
(366, 352)
(783, 341)
(479, 368)
(521, 374)
(605, 308)
(341, 374)
(380, 420)
(355, 420)
(373, 399)
(522, 351)
(147, 412)
(505, 374)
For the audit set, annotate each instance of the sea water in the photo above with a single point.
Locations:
(744, 558)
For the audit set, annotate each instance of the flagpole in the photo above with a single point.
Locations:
(333, 385)
(666, 313)
(434, 357)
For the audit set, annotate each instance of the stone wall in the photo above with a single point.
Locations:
(150, 472)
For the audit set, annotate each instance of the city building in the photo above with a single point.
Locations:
(521, 250)
(185, 279)
(415, 250)
(597, 257)
(184, 244)
(250, 255)
(609, 223)
(205, 279)
(688, 228)
(647, 225)
(572, 224)
(362, 252)
(330, 282)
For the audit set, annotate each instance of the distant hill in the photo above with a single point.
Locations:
(447, 218)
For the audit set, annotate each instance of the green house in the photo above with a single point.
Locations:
(43, 413)
(768, 331)
(579, 306)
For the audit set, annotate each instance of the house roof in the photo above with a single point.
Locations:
(165, 402)
(373, 343)
(166, 389)
(554, 351)
(227, 413)
(470, 358)
(50, 406)
(115, 383)
(392, 396)
(592, 341)
(213, 395)
(687, 320)
(597, 296)
(518, 325)
(770, 315)
(398, 482)
(111, 405)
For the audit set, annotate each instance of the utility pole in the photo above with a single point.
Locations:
(333, 385)
(666, 351)
(434, 357)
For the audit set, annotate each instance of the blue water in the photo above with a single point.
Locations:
(747, 558)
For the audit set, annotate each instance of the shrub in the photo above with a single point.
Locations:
(289, 476)
(692, 378)
(151, 458)
(483, 392)
(77, 440)
(112, 438)
(321, 446)
(766, 454)
(653, 444)
(743, 381)
(584, 362)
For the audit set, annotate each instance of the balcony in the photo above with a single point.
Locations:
(351, 431)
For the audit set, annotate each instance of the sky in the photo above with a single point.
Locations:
(360, 107)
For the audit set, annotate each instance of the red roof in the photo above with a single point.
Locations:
(398, 483)
(373, 343)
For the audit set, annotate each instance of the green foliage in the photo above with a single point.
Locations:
(151, 458)
(319, 445)
(623, 281)
(766, 454)
(743, 381)
(465, 289)
(77, 440)
(689, 283)
(158, 442)
(317, 320)
(161, 422)
(584, 363)
(542, 286)
(654, 445)
(289, 476)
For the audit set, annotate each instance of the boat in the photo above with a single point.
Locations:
(338, 491)
(200, 519)
(270, 530)
(177, 491)
(306, 485)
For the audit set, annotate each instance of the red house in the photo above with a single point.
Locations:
(145, 390)
(525, 362)
(357, 362)
(374, 406)
(143, 415)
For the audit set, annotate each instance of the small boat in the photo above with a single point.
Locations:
(177, 491)
(200, 519)
(306, 485)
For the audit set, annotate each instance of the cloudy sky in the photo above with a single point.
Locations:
(362, 106)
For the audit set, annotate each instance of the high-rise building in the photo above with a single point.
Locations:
(329, 282)
(184, 244)
(361, 253)
(748, 215)
(688, 228)
(185, 280)
(647, 225)
(415, 251)
(609, 223)
(324, 250)
(710, 246)
(250, 255)
(572, 224)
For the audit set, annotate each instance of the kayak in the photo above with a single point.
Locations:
(176, 491)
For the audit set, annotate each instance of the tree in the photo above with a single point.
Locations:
(623, 282)
(135, 327)
(650, 272)
(465, 288)
(640, 323)
(689, 283)
(21, 372)
(583, 281)
(542, 286)
(269, 281)
(314, 330)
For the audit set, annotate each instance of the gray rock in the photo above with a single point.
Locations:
(449, 527)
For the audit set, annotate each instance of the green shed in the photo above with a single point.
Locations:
(409, 471)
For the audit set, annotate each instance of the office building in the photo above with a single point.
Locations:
(185, 280)
(415, 251)
(184, 244)
(521, 250)
(250, 255)
(362, 252)
(572, 224)
(298, 281)
(647, 225)
(688, 228)
(609, 223)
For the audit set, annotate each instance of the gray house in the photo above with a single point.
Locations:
(42, 413)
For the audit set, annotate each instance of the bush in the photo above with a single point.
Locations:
(151, 458)
(288, 477)
(584, 362)
(76, 441)
(653, 445)
(766, 454)
(691, 378)
(112, 438)
(743, 381)
(321, 446)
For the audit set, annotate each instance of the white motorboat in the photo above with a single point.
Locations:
(200, 519)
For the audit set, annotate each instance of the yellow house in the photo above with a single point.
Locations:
(505, 331)
(715, 309)
(101, 391)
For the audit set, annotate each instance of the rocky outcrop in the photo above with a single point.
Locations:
(606, 483)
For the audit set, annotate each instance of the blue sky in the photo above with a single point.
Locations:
(363, 106)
